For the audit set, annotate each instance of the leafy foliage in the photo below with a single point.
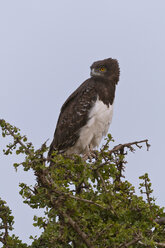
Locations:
(87, 203)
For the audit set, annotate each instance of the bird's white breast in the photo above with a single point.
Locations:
(99, 119)
(97, 126)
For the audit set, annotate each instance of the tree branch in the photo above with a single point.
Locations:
(46, 183)
(103, 182)
(132, 242)
(120, 166)
(17, 140)
(77, 229)
(129, 145)
(160, 244)
(155, 243)
(121, 147)
(84, 200)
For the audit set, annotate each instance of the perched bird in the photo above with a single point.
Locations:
(87, 113)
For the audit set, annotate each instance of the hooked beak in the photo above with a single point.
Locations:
(94, 73)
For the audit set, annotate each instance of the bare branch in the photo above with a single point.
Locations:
(129, 145)
(121, 147)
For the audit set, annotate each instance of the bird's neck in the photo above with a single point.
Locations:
(106, 90)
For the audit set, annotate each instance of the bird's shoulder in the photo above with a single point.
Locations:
(83, 91)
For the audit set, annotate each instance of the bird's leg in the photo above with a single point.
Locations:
(93, 152)
(85, 156)
(89, 154)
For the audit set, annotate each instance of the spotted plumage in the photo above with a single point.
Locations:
(87, 113)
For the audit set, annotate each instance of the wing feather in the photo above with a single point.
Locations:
(74, 115)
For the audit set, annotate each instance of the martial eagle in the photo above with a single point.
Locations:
(87, 113)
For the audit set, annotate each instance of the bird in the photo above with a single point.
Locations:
(86, 115)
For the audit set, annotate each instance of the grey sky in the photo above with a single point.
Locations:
(46, 49)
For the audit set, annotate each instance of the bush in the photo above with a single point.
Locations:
(87, 203)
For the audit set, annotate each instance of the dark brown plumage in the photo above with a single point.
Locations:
(79, 109)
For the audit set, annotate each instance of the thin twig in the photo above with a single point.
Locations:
(84, 200)
(132, 242)
(17, 139)
(98, 234)
(103, 182)
(2, 240)
(120, 166)
(147, 193)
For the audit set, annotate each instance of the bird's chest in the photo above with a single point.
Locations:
(100, 118)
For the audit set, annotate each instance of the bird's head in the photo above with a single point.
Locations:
(107, 69)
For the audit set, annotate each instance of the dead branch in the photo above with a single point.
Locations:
(129, 145)
(120, 148)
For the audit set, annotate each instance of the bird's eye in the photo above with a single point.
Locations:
(102, 68)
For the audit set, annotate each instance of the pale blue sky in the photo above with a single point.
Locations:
(46, 49)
